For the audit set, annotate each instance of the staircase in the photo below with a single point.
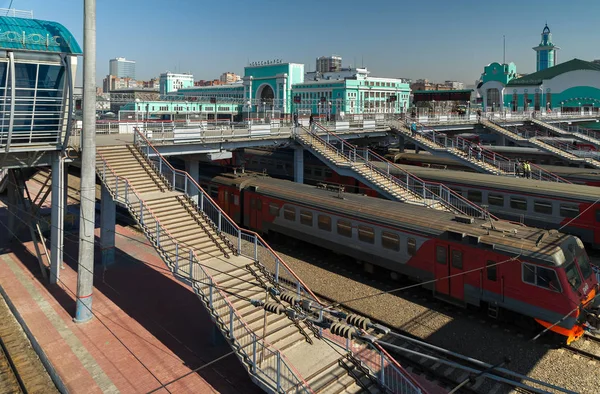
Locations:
(238, 278)
(555, 148)
(551, 128)
(382, 175)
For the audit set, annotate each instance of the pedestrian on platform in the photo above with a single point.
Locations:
(296, 120)
(527, 169)
(311, 122)
(413, 129)
(478, 115)
(479, 152)
(518, 168)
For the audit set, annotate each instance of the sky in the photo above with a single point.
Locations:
(435, 39)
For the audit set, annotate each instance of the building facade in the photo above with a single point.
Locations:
(229, 77)
(327, 64)
(112, 83)
(171, 82)
(546, 52)
(122, 68)
(567, 87)
(277, 89)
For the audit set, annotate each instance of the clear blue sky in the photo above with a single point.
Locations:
(435, 39)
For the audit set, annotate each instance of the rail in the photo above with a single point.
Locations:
(505, 165)
(185, 263)
(418, 187)
(251, 245)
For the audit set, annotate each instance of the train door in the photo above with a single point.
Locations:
(457, 279)
(255, 212)
(442, 269)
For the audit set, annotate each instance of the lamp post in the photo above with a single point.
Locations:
(329, 112)
(433, 102)
(248, 104)
(264, 108)
(580, 109)
(561, 106)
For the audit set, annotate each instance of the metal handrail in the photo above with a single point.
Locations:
(301, 288)
(465, 206)
(193, 259)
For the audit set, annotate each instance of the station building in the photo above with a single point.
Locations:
(276, 89)
(572, 86)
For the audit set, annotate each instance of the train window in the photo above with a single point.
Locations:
(366, 234)
(457, 191)
(518, 203)
(569, 211)
(457, 260)
(474, 195)
(289, 213)
(254, 162)
(273, 210)
(390, 241)
(318, 171)
(344, 228)
(573, 275)
(324, 222)
(542, 207)
(411, 246)
(441, 254)
(491, 270)
(214, 192)
(540, 276)
(496, 199)
(306, 218)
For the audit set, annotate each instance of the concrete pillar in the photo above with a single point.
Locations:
(501, 140)
(108, 214)
(299, 164)
(57, 216)
(192, 167)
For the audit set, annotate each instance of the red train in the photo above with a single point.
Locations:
(505, 267)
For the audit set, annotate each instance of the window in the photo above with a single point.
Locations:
(289, 213)
(457, 261)
(441, 254)
(273, 210)
(344, 228)
(474, 195)
(496, 200)
(584, 263)
(518, 203)
(411, 246)
(324, 222)
(366, 234)
(540, 276)
(328, 173)
(390, 241)
(569, 211)
(542, 207)
(491, 270)
(306, 218)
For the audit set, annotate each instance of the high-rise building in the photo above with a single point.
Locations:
(546, 51)
(327, 64)
(171, 82)
(229, 77)
(122, 68)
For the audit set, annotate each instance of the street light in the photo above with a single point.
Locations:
(248, 104)
(329, 112)
(580, 109)
(264, 108)
(561, 106)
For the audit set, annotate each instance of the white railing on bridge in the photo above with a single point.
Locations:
(16, 13)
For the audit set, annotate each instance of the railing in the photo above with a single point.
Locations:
(595, 135)
(16, 13)
(265, 362)
(503, 164)
(425, 193)
(251, 245)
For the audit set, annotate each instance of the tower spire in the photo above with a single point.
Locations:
(546, 51)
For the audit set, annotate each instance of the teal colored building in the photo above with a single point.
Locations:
(572, 86)
(276, 89)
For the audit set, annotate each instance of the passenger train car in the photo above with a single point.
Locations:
(548, 205)
(502, 266)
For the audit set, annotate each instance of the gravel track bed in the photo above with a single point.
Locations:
(463, 331)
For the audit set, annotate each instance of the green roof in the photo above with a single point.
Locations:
(36, 35)
(537, 77)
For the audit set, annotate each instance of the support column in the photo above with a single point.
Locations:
(501, 140)
(192, 167)
(13, 208)
(401, 143)
(299, 164)
(85, 267)
(108, 214)
(57, 216)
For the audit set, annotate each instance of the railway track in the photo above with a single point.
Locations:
(21, 371)
(578, 350)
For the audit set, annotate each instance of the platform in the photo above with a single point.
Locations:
(141, 335)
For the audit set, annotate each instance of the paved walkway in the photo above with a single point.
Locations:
(149, 329)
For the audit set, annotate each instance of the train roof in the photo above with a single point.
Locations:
(567, 191)
(548, 247)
